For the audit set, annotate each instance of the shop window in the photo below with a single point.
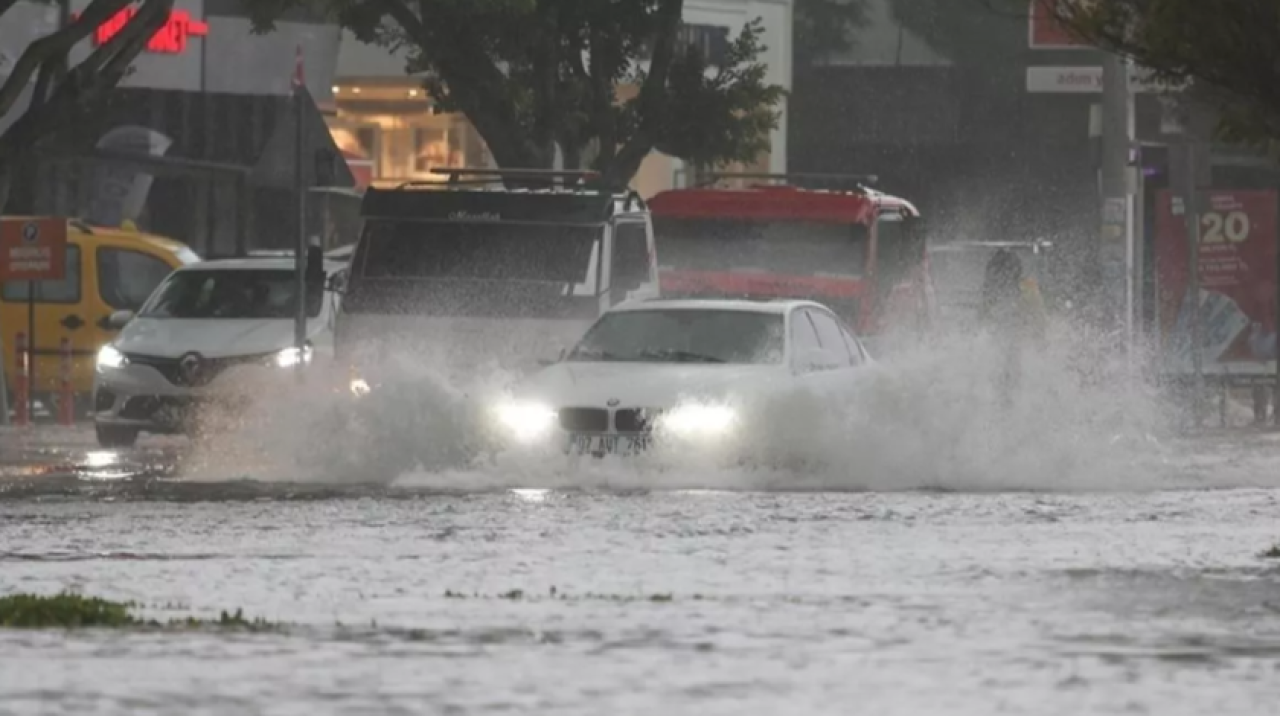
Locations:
(430, 149)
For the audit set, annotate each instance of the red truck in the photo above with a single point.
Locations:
(857, 250)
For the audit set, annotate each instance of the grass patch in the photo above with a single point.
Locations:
(74, 611)
(68, 611)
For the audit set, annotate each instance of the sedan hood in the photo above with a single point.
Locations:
(175, 337)
(654, 385)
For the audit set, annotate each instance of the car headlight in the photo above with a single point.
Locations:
(526, 421)
(110, 357)
(291, 357)
(700, 420)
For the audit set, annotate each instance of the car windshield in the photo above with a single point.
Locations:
(684, 336)
(248, 293)
(799, 248)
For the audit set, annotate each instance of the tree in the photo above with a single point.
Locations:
(534, 75)
(59, 93)
(1227, 50)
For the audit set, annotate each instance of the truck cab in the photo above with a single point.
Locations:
(826, 238)
(508, 266)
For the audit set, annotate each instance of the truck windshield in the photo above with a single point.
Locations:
(478, 251)
(684, 336)
(229, 294)
(785, 247)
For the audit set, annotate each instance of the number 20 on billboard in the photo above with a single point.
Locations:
(1229, 227)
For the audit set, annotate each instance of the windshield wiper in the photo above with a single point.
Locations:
(678, 355)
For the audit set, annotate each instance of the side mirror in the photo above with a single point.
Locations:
(315, 267)
(119, 319)
(337, 282)
(813, 359)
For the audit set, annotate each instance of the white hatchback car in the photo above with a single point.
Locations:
(211, 331)
(651, 371)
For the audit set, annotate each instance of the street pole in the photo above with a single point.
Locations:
(1115, 251)
(300, 248)
(4, 386)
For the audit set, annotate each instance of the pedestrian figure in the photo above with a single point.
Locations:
(1013, 313)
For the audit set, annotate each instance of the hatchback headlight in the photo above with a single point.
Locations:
(291, 357)
(700, 420)
(527, 421)
(110, 357)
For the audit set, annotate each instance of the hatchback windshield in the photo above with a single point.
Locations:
(684, 336)
(252, 293)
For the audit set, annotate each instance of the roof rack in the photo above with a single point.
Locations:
(487, 175)
(805, 180)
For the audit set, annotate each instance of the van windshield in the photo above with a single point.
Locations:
(486, 251)
(798, 247)
(249, 293)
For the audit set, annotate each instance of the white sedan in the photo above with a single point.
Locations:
(659, 373)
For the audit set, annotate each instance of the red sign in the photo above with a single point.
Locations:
(33, 249)
(1237, 264)
(170, 39)
(1046, 32)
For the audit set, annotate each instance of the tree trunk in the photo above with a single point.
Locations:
(6, 181)
(572, 156)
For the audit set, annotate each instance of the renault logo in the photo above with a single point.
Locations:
(190, 367)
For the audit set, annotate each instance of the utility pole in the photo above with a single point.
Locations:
(300, 189)
(1116, 250)
(1190, 175)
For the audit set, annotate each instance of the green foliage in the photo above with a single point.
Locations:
(1229, 51)
(73, 611)
(736, 90)
(68, 611)
(534, 74)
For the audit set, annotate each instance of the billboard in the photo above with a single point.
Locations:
(1237, 266)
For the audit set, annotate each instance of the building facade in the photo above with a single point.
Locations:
(391, 132)
(206, 121)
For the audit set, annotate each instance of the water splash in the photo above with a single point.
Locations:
(927, 417)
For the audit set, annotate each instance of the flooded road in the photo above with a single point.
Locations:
(410, 598)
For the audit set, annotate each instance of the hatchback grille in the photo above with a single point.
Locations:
(171, 368)
(584, 420)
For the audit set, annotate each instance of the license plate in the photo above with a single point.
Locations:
(607, 444)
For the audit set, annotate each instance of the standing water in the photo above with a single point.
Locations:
(921, 551)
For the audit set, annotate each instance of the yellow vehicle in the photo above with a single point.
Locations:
(107, 270)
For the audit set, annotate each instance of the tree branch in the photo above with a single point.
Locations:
(653, 93)
(102, 70)
(54, 45)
